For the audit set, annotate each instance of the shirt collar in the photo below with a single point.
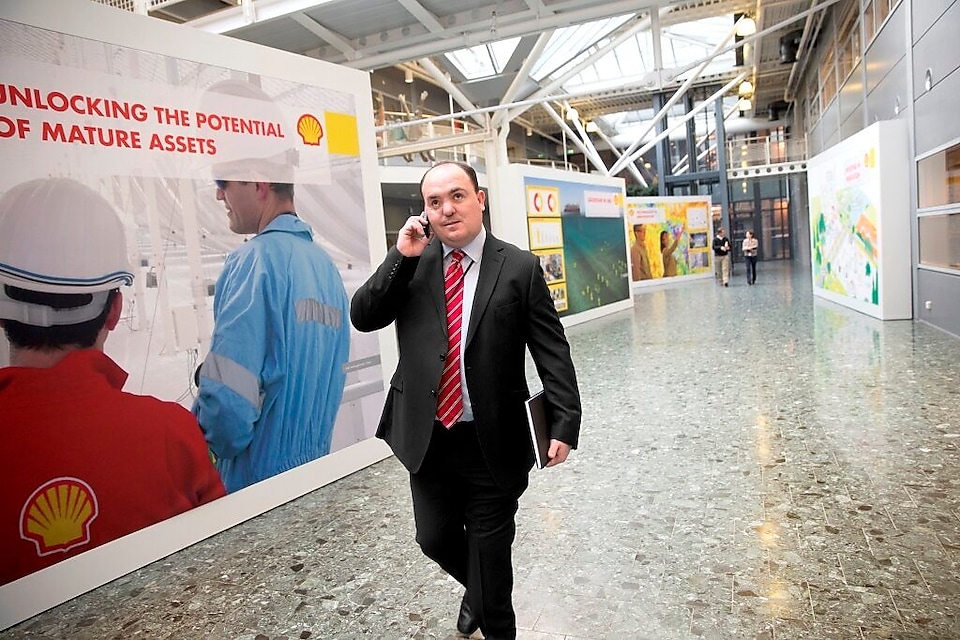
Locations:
(473, 249)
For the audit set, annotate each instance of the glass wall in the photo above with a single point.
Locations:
(761, 206)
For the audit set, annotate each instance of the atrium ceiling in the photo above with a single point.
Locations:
(604, 58)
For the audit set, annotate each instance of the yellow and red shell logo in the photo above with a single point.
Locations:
(57, 516)
(310, 129)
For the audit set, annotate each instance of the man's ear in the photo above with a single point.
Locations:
(263, 190)
(113, 316)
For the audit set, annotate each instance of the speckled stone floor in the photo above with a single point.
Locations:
(753, 464)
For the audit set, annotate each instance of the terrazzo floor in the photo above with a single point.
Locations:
(754, 463)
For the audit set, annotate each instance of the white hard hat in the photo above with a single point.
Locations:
(270, 154)
(59, 236)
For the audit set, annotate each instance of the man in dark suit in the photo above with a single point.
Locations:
(466, 478)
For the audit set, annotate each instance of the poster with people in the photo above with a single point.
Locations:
(172, 132)
(669, 237)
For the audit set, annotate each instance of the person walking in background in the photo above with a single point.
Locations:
(640, 267)
(721, 254)
(750, 247)
(666, 249)
(85, 462)
(467, 306)
(271, 386)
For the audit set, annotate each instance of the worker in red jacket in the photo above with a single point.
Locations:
(84, 462)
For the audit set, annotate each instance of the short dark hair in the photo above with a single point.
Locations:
(82, 335)
(282, 189)
(467, 169)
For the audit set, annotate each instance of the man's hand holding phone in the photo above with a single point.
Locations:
(414, 236)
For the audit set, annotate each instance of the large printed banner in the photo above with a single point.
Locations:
(576, 230)
(669, 237)
(141, 127)
(149, 133)
(858, 196)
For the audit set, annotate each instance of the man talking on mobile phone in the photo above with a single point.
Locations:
(467, 306)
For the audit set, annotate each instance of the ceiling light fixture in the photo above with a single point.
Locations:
(529, 132)
(408, 76)
(572, 114)
(746, 26)
(746, 89)
(745, 104)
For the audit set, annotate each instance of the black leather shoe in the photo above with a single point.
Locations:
(467, 622)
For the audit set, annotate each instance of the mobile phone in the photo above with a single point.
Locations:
(427, 232)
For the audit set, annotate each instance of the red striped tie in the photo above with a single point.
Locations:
(450, 398)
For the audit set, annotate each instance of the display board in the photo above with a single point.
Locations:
(860, 224)
(574, 222)
(140, 111)
(669, 237)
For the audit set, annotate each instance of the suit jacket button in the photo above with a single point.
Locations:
(433, 392)
(443, 356)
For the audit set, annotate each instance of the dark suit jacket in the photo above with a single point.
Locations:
(512, 310)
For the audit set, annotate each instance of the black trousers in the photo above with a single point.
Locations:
(466, 524)
(751, 268)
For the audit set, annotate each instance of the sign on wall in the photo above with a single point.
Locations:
(859, 230)
(576, 230)
(669, 237)
(128, 107)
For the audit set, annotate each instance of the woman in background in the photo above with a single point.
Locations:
(750, 246)
(667, 248)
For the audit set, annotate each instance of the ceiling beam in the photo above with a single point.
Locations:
(426, 18)
(674, 98)
(333, 38)
(478, 32)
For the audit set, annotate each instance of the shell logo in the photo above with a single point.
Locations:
(57, 516)
(310, 129)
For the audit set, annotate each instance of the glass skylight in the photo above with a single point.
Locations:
(485, 60)
(681, 45)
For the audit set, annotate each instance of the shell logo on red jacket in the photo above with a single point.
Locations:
(57, 516)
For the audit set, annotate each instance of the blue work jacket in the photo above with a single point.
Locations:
(272, 383)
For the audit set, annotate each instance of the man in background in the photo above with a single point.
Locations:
(467, 306)
(85, 462)
(639, 258)
(721, 256)
(271, 385)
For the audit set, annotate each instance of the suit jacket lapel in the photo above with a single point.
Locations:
(432, 265)
(490, 267)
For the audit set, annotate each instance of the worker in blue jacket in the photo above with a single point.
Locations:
(272, 383)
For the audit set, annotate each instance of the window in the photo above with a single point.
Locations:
(940, 241)
(938, 179)
(849, 48)
(828, 77)
(869, 21)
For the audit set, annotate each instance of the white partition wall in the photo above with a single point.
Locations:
(140, 110)
(860, 222)
(575, 223)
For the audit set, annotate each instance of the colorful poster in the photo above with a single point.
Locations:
(844, 219)
(543, 201)
(149, 133)
(858, 193)
(669, 237)
(581, 249)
